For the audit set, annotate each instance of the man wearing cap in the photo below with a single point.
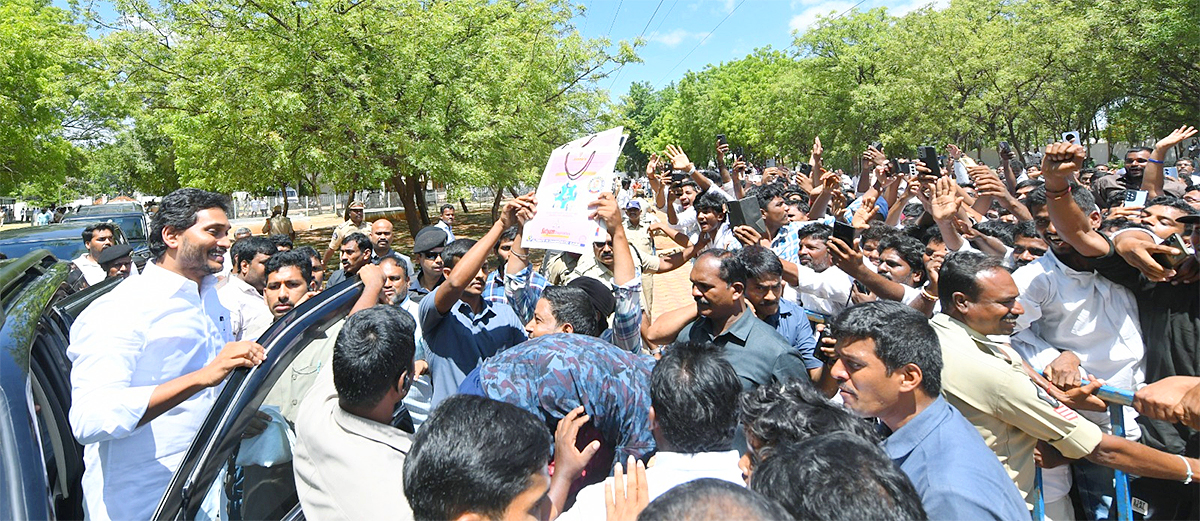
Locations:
(354, 224)
(97, 238)
(427, 249)
(116, 262)
(279, 224)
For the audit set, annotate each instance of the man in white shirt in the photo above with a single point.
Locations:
(96, 237)
(349, 460)
(693, 395)
(242, 294)
(149, 359)
(446, 221)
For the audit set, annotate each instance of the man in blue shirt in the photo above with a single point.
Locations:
(462, 328)
(889, 367)
(764, 287)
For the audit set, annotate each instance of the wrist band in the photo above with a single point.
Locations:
(1058, 194)
(925, 294)
(1155, 161)
(523, 257)
(1188, 479)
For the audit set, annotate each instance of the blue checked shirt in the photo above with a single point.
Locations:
(786, 243)
(627, 318)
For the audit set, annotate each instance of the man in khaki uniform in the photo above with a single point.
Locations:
(990, 385)
(355, 224)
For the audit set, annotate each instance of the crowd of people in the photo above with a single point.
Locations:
(920, 341)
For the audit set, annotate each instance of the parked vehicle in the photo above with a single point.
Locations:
(41, 465)
(64, 241)
(133, 222)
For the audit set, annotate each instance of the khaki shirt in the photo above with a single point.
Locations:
(347, 228)
(987, 383)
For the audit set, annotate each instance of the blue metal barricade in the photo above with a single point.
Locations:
(1117, 400)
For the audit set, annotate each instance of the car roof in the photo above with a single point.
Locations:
(107, 209)
(64, 240)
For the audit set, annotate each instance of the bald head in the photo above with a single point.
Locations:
(381, 236)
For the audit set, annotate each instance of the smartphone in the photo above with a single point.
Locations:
(1170, 261)
(862, 288)
(818, 353)
(678, 177)
(895, 166)
(1004, 147)
(804, 168)
(1135, 198)
(721, 139)
(877, 145)
(1171, 171)
(1071, 137)
(845, 232)
(929, 156)
(739, 152)
(770, 163)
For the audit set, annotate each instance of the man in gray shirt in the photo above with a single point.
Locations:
(718, 285)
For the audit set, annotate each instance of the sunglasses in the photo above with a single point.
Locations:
(602, 244)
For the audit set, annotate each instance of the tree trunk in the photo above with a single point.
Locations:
(416, 183)
(346, 209)
(496, 203)
(285, 199)
(408, 199)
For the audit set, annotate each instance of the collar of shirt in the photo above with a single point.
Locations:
(982, 342)
(699, 462)
(786, 310)
(904, 440)
(740, 329)
(236, 283)
(84, 260)
(484, 315)
(171, 283)
(372, 430)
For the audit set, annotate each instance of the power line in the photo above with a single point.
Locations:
(705, 39)
(667, 16)
(614, 20)
(622, 68)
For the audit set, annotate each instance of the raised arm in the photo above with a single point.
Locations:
(656, 184)
(1153, 179)
(468, 266)
(1060, 165)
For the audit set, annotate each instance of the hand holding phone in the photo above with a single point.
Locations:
(929, 156)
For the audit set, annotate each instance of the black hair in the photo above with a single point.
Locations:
(444, 207)
(999, 229)
(793, 411)
(909, 249)
(1133, 150)
(309, 251)
(759, 261)
(571, 305)
(1082, 196)
(713, 176)
(625, 183)
(246, 249)
(295, 258)
(689, 182)
(710, 201)
(455, 251)
(509, 234)
(959, 272)
(694, 392)
(711, 499)
(876, 232)
(1115, 199)
(178, 210)
(1174, 202)
(767, 193)
(818, 230)
(835, 477)
(473, 454)
(376, 346)
(932, 234)
(1026, 229)
(359, 239)
(913, 209)
(902, 336)
(1028, 183)
(731, 269)
(89, 231)
(395, 259)
(282, 240)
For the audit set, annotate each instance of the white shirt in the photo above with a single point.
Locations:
(685, 220)
(249, 315)
(145, 332)
(1086, 314)
(446, 228)
(670, 469)
(826, 292)
(92, 272)
(724, 239)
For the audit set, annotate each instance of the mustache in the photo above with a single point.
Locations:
(703, 301)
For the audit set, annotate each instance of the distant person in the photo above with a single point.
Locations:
(353, 224)
(148, 360)
(116, 261)
(446, 221)
(279, 224)
(381, 245)
(427, 250)
(96, 238)
(242, 291)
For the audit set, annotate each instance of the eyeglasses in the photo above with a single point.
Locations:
(602, 244)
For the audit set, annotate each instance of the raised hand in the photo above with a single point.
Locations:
(519, 210)
(874, 156)
(679, 159)
(722, 151)
(569, 460)
(953, 151)
(817, 149)
(605, 207)
(864, 213)
(652, 166)
(1176, 137)
(624, 500)
(945, 201)
(1063, 160)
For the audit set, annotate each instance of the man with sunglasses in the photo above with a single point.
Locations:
(354, 224)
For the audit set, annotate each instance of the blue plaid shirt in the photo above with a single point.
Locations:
(786, 243)
(494, 291)
(626, 330)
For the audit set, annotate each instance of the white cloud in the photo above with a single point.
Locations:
(809, 16)
(676, 37)
(905, 8)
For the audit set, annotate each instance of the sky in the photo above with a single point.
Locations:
(683, 35)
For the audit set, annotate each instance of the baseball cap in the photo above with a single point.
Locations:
(600, 295)
(633, 204)
(113, 253)
(428, 238)
(356, 205)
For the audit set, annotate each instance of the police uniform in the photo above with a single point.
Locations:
(347, 228)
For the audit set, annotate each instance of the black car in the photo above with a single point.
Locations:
(107, 209)
(134, 223)
(65, 241)
(41, 465)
